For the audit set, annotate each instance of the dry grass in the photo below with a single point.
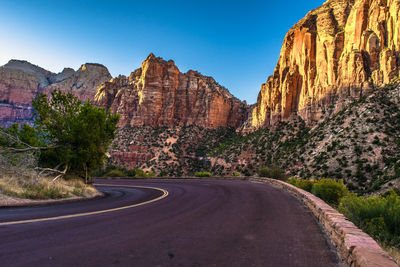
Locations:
(33, 187)
(394, 252)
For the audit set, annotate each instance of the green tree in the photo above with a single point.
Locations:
(78, 135)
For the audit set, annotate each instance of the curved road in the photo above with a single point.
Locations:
(199, 223)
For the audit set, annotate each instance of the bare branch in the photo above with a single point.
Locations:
(21, 150)
(30, 148)
(16, 139)
(55, 178)
(62, 173)
(50, 170)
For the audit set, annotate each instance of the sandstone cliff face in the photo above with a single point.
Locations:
(21, 82)
(83, 83)
(158, 94)
(336, 54)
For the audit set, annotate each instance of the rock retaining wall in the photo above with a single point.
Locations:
(356, 247)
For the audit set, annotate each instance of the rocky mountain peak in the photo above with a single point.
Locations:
(151, 56)
(65, 74)
(27, 67)
(158, 94)
(92, 67)
(153, 63)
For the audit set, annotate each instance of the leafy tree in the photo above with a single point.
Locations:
(78, 135)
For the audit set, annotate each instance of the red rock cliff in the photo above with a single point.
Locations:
(334, 55)
(21, 82)
(158, 94)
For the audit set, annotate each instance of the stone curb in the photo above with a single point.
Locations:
(356, 247)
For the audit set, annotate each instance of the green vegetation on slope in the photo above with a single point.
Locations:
(329, 190)
(360, 145)
(175, 151)
(379, 216)
(203, 174)
(118, 171)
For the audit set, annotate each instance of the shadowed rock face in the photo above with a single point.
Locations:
(158, 94)
(334, 55)
(21, 82)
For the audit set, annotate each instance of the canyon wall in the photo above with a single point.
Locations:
(335, 55)
(159, 95)
(21, 82)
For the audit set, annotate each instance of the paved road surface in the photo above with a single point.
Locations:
(199, 223)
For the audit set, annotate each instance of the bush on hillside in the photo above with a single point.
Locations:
(203, 174)
(115, 173)
(378, 216)
(305, 184)
(140, 173)
(272, 172)
(329, 190)
(130, 173)
(150, 174)
(163, 174)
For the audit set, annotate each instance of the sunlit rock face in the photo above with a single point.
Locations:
(83, 83)
(21, 82)
(158, 94)
(334, 55)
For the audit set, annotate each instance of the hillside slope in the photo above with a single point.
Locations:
(360, 144)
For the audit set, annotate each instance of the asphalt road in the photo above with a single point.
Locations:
(199, 223)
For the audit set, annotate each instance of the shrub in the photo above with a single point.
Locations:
(305, 184)
(272, 172)
(236, 174)
(378, 216)
(99, 172)
(150, 174)
(130, 173)
(329, 190)
(140, 173)
(163, 174)
(112, 170)
(203, 174)
(115, 173)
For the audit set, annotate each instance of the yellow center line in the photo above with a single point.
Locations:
(164, 195)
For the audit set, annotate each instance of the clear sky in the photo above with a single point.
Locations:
(236, 42)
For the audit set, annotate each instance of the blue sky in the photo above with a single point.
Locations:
(236, 42)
